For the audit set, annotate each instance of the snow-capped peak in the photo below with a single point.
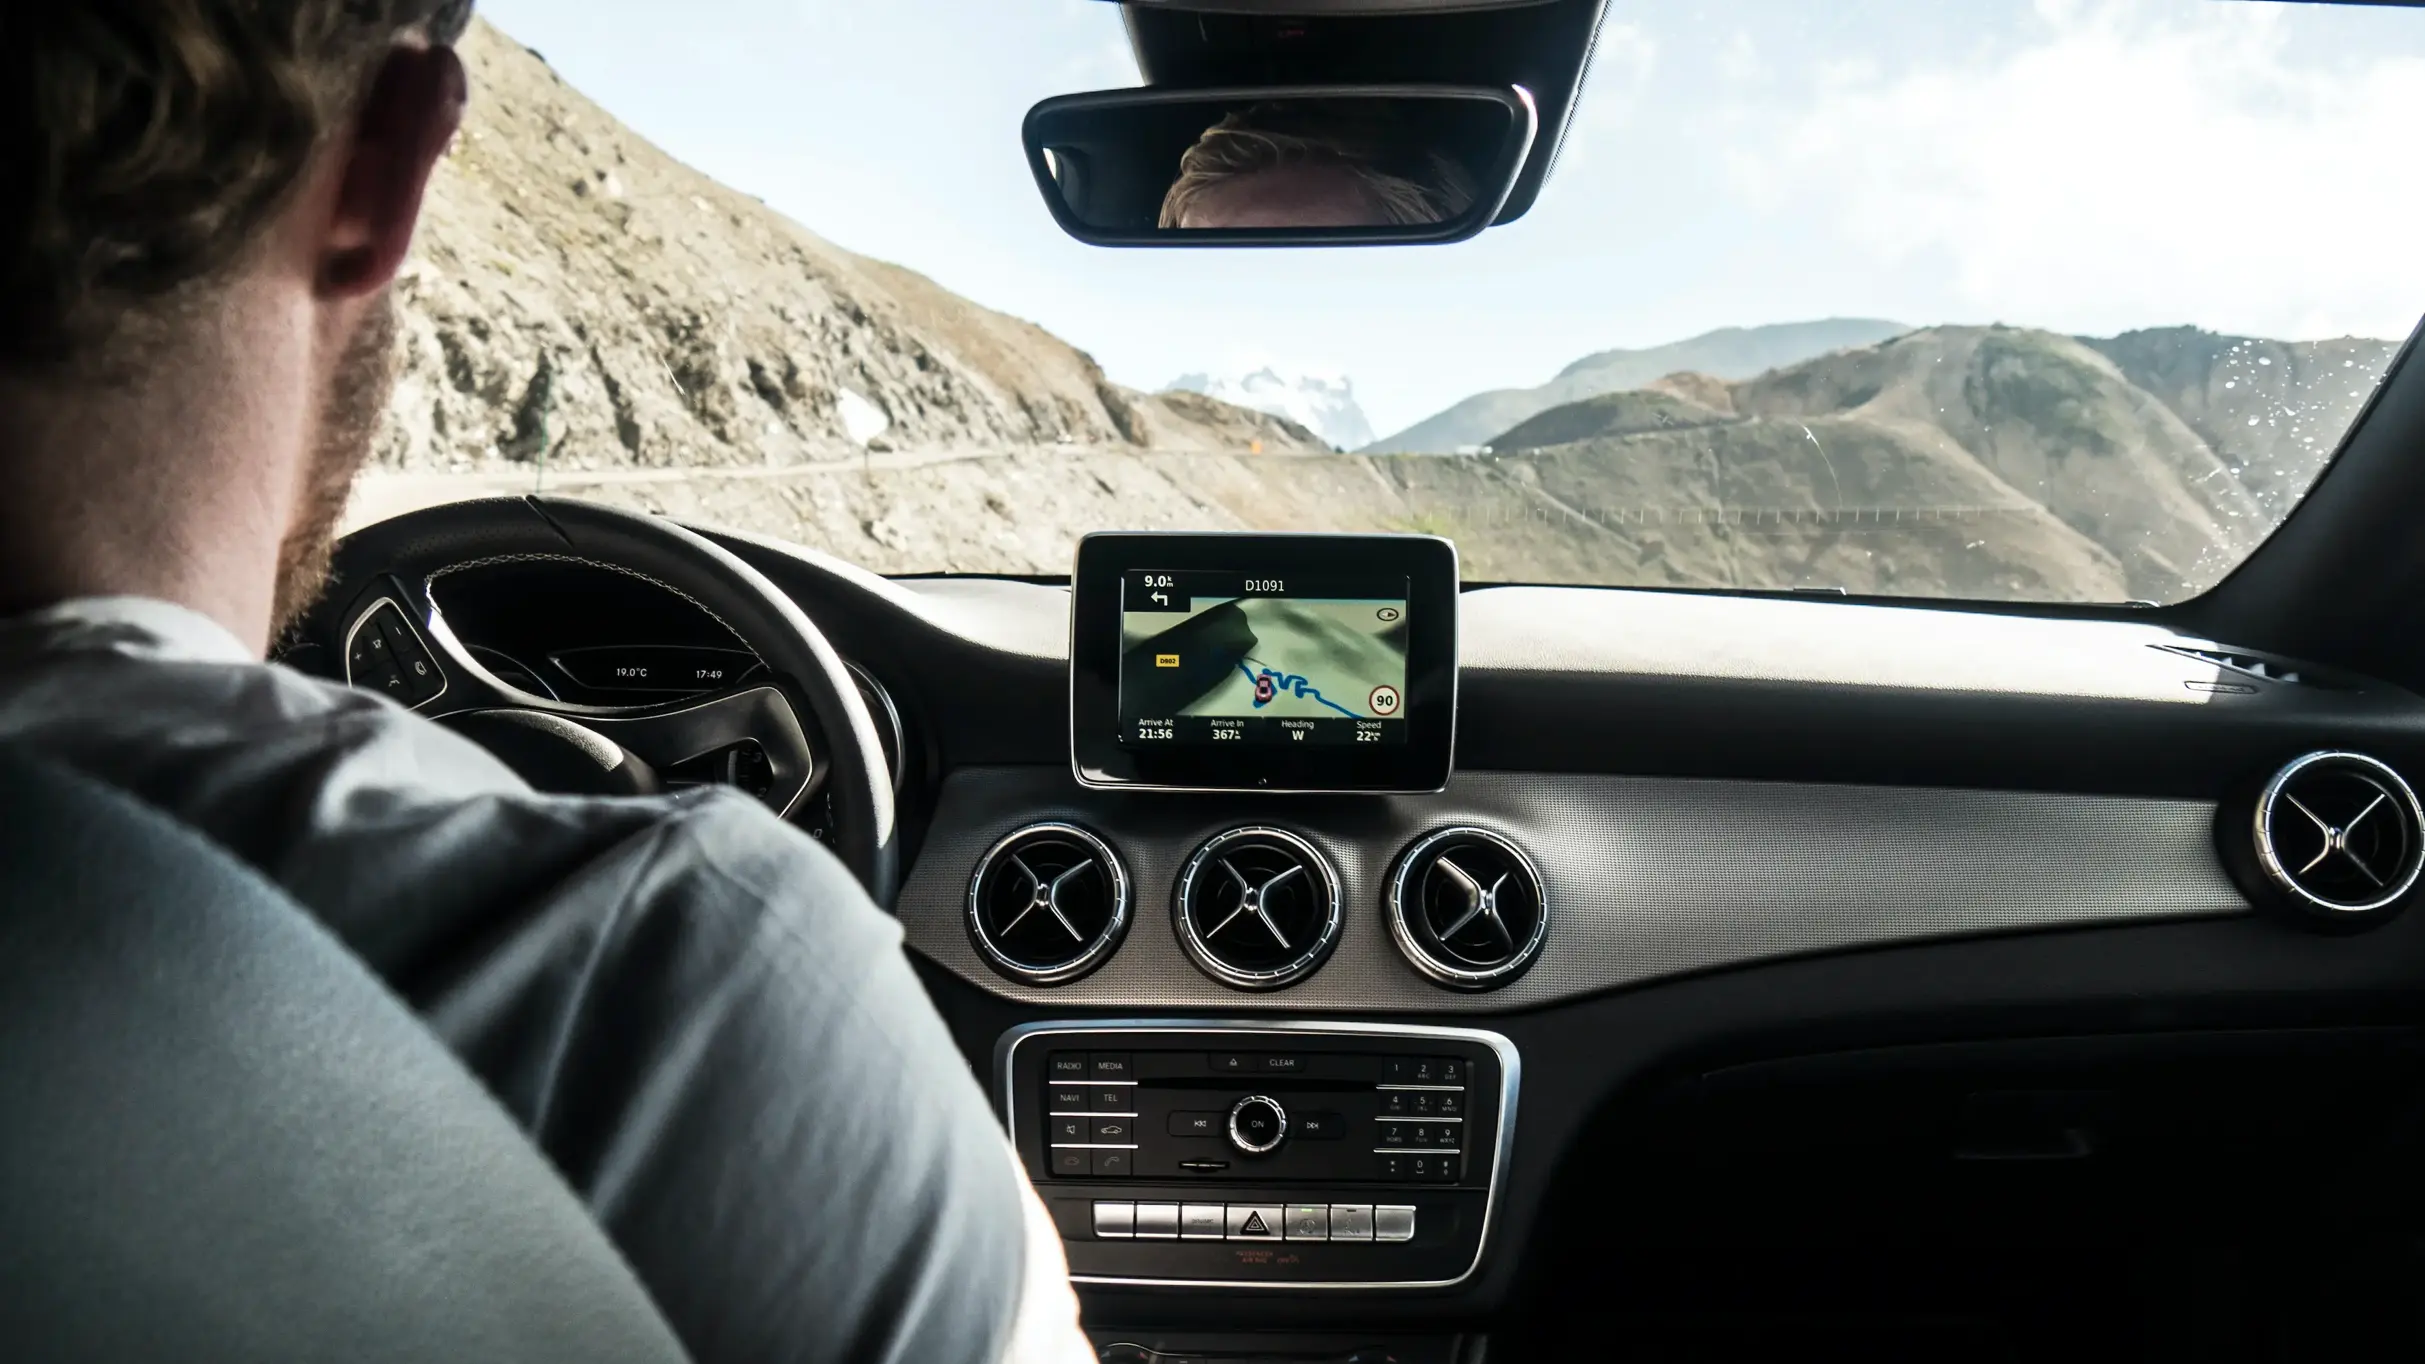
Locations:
(1323, 404)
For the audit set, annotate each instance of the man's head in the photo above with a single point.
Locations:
(202, 204)
(1274, 167)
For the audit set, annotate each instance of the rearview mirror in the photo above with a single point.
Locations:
(1280, 165)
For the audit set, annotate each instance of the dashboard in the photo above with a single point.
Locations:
(1739, 921)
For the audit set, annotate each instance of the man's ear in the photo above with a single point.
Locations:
(415, 106)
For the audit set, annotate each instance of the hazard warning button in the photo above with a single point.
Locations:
(1254, 1222)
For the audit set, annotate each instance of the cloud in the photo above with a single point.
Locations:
(2120, 163)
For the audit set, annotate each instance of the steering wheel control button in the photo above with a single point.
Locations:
(1202, 1222)
(1351, 1221)
(1157, 1221)
(1116, 1221)
(1255, 1221)
(1257, 1124)
(1197, 1124)
(1308, 1222)
(1391, 1222)
(1114, 1164)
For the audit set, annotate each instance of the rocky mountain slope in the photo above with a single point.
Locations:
(1728, 353)
(582, 300)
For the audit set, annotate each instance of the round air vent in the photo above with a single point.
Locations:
(1257, 908)
(2341, 833)
(1048, 904)
(1467, 908)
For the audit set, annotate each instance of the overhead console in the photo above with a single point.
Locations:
(1276, 1155)
(1264, 662)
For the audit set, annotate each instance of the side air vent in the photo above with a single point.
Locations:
(1467, 908)
(2340, 833)
(1048, 904)
(1257, 908)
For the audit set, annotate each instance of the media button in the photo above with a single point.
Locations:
(1111, 1065)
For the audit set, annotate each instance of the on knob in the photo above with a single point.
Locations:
(1257, 1124)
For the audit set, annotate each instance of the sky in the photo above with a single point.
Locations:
(2083, 165)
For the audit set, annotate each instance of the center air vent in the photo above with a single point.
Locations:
(2341, 833)
(1467, 908)
(1048, 904)
(1257, 908)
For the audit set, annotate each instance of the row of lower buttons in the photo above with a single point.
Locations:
(1254, 1221)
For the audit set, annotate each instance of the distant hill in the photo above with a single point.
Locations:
(1729, 353)
(1324, 405)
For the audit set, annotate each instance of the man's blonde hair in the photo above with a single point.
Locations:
(1432, 190)
(145, 143)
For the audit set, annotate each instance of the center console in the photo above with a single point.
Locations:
(1272, 1155)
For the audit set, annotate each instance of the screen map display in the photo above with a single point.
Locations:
(1214, 656)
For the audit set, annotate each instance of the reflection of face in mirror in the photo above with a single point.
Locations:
(1310, 168)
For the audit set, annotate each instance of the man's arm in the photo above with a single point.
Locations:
(716, 1038)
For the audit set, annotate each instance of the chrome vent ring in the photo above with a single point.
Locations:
(1048, 904)
(1257, 908)
(2341, 833)
(1467, 908)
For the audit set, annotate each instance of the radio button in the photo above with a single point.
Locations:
(1202, 1222)
(1351, 1221)
(1157, 1221)
(1070, 1162)
(1254, 1221)
(1066, 1065)
(1308, 1222)
(1068, 1098)
(1393, 1223)
(1116, 1221)
(1194, 1124)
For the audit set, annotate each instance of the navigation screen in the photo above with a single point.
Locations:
(1212, 656)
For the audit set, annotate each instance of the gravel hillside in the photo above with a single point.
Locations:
(581, 299)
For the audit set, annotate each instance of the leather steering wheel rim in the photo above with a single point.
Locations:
(414, 550)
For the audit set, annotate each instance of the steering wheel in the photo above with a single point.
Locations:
(385, 631)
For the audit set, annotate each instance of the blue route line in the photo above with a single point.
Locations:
(1295, 684)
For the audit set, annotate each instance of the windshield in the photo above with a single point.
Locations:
(2064, 301)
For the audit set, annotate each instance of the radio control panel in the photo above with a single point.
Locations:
(1265, 1154)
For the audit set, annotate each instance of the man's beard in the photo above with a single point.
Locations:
(349, 425)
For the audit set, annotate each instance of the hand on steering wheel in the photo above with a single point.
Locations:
(756, 726)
